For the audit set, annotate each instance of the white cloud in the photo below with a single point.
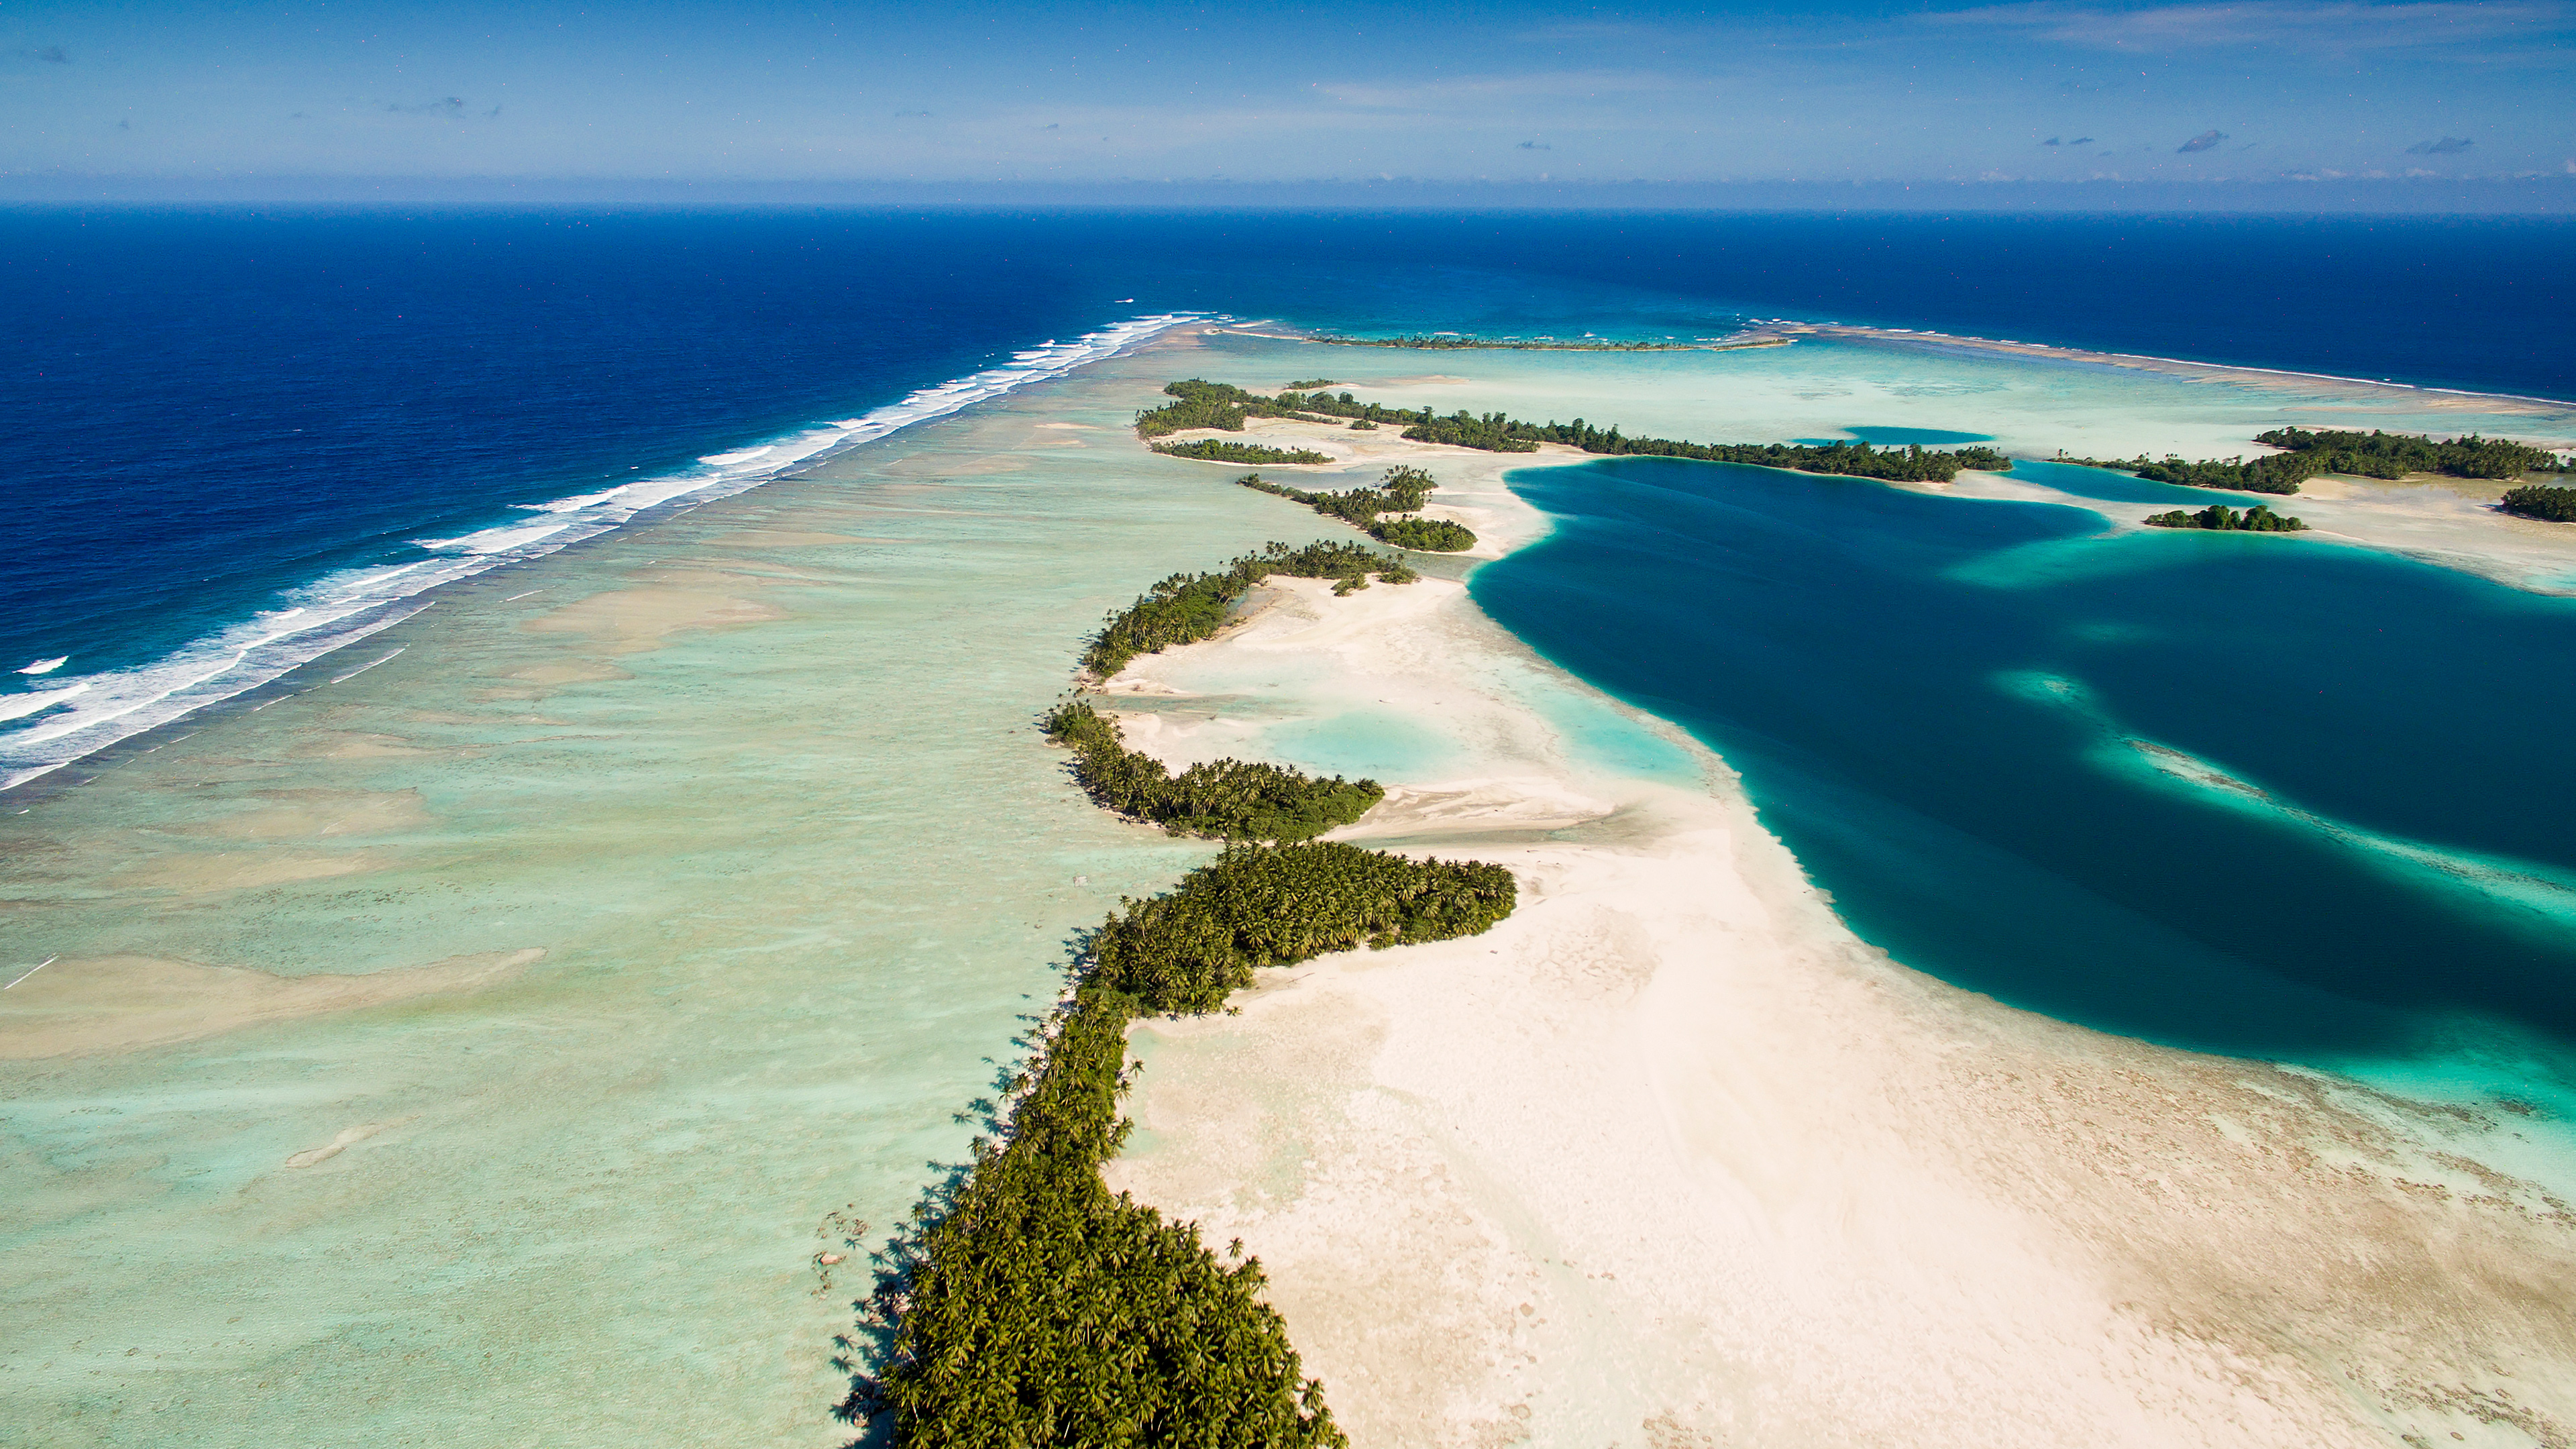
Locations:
(2326, 25)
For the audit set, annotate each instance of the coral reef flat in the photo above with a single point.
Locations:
(521, 1026)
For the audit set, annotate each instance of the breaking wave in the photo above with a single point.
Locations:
(72, 716)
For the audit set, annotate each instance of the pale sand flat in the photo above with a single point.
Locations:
(355, 745)
(785, 538)
(1670, 1157)
(567, 671)
(118, 1003)
(340, 1142)
(636, 620)
(932, 465)
(204, 872)
(320, 814)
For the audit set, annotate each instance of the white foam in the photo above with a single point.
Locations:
(18, 706)
(47, 666)
(345, 607)
(577, 502)
(494, 540)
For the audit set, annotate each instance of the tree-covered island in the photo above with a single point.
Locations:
(1026, 1304)
(2221, 518)
(1203, 404)
(2540, 500)
(2305, 455)
(1188, 607)
(1402, 491)
(1220, 450)
(1468, 341)
(1223, 799)
(2394, 455)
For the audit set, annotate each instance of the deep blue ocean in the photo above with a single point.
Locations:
(225, 425)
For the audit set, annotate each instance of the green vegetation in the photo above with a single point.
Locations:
(1496, 433)
(1459, 341)
(1324, 407)
(1492, 432)
(2309, 455)
(1187, 607)
(1228, 799)
(1223, 406)
(1033, 1307)
(2558, 505)
(2394, 455)
(1403, 490)
(1203, 404)
(1310, 384)
(2281, 473)
(1218, 450)
(1029, 1306)
(1278, 905)
(2257, 519)
(1423, 535)
(1363, 425)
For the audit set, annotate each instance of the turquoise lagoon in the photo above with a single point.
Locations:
(2272, 797)
(759, 781)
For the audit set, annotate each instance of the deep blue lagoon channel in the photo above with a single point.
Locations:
(2257, 795)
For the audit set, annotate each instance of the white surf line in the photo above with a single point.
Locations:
(39, 966)
(515, 597)
(363, 668)
(245, 655)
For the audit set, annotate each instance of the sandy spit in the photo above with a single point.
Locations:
(1670, 1158)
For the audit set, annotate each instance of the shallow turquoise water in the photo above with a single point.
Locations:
(1372, 743)
(761, 783)
(2238, 793)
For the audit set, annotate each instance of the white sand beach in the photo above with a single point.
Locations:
(1671, 1158)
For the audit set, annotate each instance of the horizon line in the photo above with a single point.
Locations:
(2543, 194)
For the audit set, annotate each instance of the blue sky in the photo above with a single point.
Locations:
(2038, 90)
